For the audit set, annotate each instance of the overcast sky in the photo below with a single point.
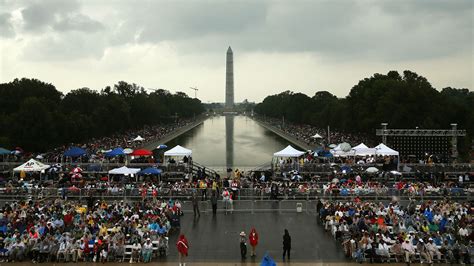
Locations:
(304, 46)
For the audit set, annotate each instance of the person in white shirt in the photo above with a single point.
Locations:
(463, 232)
(62, 249)
(409, 250)
(383, 249)
(433, 249)
(147, 250)
(136, 247)
(16, 250)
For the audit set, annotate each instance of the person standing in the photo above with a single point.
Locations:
(214, 202)
(195, 201)
(243, 245)
(183, 248)
(253, 239)
(286, 244)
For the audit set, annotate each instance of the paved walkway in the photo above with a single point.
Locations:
(216, 239)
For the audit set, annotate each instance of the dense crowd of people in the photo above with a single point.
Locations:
(96, 147)
(51, 230)
(305, 134)
(427, 231)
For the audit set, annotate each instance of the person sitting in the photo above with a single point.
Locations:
(163, 246)
(383, 251)
(136, 248)
(17, 250)
(397, 250)
(62, 249)
(409, 250)
(433, 249)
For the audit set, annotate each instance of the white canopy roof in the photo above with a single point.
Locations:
(289, 151)
(360, 146)
(317, 136)
(31, 166)
(383, 149)
(139, 138)
(124, 171)
(178, 151)
(363, 150)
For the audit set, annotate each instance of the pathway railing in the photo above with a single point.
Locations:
(244, 194)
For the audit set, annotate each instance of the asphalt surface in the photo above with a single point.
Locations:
(216, 238)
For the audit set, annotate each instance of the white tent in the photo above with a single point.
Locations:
(179, 151)
(139, 138)
(288, 152)
(363, 150)
(317, 136)
(383, 149)
(31, 166)
(124, 171)
(360, 146)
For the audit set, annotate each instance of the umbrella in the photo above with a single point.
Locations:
(317, 136)
(141, 152)
(74, 152)
(55, 168)
(74, 189)
(76, 176)
(346, 169)
(127, 151)
(267, 261)
(162, 146)
(345, 147)
(115, 152)
(139, 138)
(39, 157)
(332, 146)
(77, 170)
(372, 170)
(395, 172)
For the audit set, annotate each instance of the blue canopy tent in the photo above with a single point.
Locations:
(324, 153)
(75, 152)
(150, 171)
(115, 152)
(4, 151)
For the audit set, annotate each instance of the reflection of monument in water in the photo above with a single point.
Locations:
(229, 141)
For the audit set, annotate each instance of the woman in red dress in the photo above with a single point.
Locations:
(183, 247)
(253, 239)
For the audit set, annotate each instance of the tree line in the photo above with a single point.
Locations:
(403, 101)
(36, 116)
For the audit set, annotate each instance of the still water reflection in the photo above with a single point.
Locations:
(230, 141)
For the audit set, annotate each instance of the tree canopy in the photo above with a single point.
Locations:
(403, 101)
(36, 116)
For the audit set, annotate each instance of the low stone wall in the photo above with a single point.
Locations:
(284, 135)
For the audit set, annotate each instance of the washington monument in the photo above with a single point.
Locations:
(229, 80)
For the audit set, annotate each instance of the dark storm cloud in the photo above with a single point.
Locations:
(6, 27)
(339, 29)
(181, 20)
(78, 22)
(59, 15)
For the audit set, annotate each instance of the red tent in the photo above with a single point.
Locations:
(141, 152)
